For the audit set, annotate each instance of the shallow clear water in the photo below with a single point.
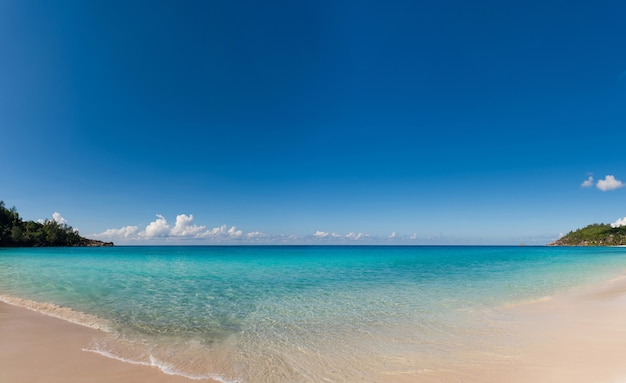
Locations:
(298, 314)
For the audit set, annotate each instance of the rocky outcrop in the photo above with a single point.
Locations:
(86, 242)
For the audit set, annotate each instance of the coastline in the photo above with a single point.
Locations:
(40, 348)
(506, 315)
(576, 337)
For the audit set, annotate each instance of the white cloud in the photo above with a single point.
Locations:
(609, 183)
(255, 235)
(587, 183)
(56, 217)
(216, 232)
(184, 228)
(351, 236)
(356, 237)
(158, 228)
(234, 233)
(221, 232)
(324, 234)
(124, 232)
(619, 223)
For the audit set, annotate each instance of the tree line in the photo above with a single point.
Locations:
(597, 234)
(15, 232)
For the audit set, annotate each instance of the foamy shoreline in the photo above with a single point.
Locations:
(575, 337)
(58, 312)
(41, 348)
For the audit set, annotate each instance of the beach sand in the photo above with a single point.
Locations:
(574, 338)
(578, 337)
(38, 348)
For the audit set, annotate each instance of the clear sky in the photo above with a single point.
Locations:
(405, 122)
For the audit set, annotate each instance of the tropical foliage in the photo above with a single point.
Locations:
(16, 232)
(597, 234)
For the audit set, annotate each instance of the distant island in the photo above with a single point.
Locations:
(15, 232)
(597, 234)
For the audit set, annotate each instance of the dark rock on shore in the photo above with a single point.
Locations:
(85, 242)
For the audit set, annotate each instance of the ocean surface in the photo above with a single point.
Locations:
(298, 314)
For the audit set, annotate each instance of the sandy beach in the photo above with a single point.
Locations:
(38, 348)
(577, 337)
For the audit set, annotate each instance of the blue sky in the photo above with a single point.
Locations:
(404, 122)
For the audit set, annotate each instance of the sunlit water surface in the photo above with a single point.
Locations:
(297, 314)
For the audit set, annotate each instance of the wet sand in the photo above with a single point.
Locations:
(576, 338)
(573, 338)
(38, 348)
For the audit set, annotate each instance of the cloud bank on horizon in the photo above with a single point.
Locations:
(185, 230)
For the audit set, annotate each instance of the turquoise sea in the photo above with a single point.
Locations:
(297, 314)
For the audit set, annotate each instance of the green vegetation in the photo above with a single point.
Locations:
(594, 235)
(15, 232)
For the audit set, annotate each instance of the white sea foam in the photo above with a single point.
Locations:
(163, 366)
(91, 321)
(64, 313)
(266, 315)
